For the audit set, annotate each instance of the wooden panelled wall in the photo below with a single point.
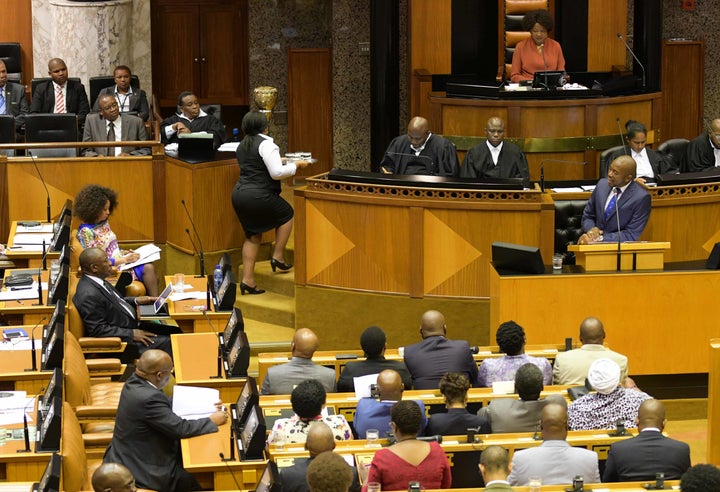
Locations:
(16, 26)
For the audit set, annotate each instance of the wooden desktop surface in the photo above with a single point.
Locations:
(14, 375)
(18, 466)
(24, 257)
(26, 311)
(189, 313)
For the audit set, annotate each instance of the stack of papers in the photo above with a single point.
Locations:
(148, 253)
(190, 402)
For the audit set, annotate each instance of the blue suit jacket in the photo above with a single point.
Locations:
(373, 414)
(633, 209)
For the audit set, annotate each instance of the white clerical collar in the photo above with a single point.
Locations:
(182, 115)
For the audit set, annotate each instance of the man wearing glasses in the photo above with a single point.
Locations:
(495, 158)
(111, 126)
(703, 152)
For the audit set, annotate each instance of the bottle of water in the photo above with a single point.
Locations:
(235, 135)
(218, 276)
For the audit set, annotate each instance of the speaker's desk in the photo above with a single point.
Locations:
(189, 313)
(661, 321)
(195, 356)
(201, 457)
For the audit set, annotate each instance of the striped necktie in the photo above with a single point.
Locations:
(3, 107)
(59, 100)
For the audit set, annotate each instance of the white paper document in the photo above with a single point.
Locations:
(191, 402)
(148, 253)
(362, 385)
(36, 239)
(46, 228)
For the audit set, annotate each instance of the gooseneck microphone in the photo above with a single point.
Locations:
(225, 460)
(47, 193)
(26, 429)
(620, 37)
(616, 190)
(622, 136)
(200, 252)
(33, 364)
(221, 346)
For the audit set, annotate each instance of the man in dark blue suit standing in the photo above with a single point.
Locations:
(616, 199)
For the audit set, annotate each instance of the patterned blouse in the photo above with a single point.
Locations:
(598, 411)
(504, 369)
(295, 430)
(101, 236)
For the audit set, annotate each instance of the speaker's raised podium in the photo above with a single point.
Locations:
(635, 256)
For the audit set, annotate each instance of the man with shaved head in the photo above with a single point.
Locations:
(703, 151)
(429, 360)
(147, 433)
(555, 461)
(319, 440)
(648, 453)
(495, 158)
(280, 380)
(617, 199)
(112, 477)
(420, 152)
(572, 367)
(106, 314)
(60, 94)
(495, 468)
(372, 413)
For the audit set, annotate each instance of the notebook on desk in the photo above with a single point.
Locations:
(157, 309)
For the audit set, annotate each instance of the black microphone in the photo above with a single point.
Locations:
(232, 474)
(423, 158)
(209, 290)
(542, 51)
(40, 296)
(26, 429)
(436, 438)
(33, 365)
(43, 183)
(559, 161)
(635, 57)
(200, 252)
(617, 217)
(622, 136)
(221, 347)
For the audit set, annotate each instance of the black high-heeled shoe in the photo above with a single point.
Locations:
(250, 290)
(279, 264)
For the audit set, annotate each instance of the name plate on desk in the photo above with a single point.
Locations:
(634, 256)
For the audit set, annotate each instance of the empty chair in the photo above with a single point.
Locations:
(7, 132)
(47, 127)
(674, 149)
(11, 55)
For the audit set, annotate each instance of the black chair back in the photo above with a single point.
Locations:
(7, 132)
(34, 82)
(674, 149)
(606, 158)
(46, 127)
(11, 55)
(102, 81)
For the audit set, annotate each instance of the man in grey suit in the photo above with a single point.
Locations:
(495, 468)
(110, 125)
(523, 415)
(13, 100)
(554, 461)
(280, 380)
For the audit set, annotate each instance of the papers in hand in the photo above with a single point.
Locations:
(192, 403)
(148, 253)
(362, 385)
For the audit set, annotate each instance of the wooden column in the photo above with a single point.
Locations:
(713, 427)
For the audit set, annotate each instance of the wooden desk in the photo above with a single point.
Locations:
(24, 312)
(13, 365)
(634, 256)
(617, 487)
(201, 458)
(189, 318)
(27, 256)
(195, 357)
(18, 466)
(645, 314)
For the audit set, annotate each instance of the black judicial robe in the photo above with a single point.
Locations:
(206, 123)
(438, 158)
(478, 163)
(699, 154)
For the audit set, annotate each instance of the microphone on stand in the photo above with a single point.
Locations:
(542, 52)
(43, 183)
(33, 365)
(26, 429)
(232, 458)
(616, 190)
(634, 57)
(221, 346)
(622, 136)
(559, 161)
(200, 252)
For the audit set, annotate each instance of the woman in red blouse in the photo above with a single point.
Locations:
(538, 52)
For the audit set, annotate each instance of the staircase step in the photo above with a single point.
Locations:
(270, 307)
(279, 283)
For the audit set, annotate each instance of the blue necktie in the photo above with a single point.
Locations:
(3, 108)
(612, 204)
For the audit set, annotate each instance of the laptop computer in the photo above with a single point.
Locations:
(157, 309)
(196, 147)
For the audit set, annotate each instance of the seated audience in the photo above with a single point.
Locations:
(372, 413)
(111, 126)
(572, 367)
(329, 472)
(191, 119)
(703, 151)
(701, 478)
(649, 162)
(308, 400)
(510, 337)
(112, 477)
(641, 457)
(495, 158)
(430, 359)
(280, 380)
(129, 98)
(520, 415)
(320, 439)
(554, 461)
(105, 314)
(454, 387)
(373, 343)
(495, 468)
(60, 95)
(409, 460)
(610, 404)
(420, 152)
(93, 206)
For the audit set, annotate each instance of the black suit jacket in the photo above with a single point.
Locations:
(658, 162)
(370, 366)
(76, 100)
(455, 422)
(147, 434)
(430, 359)
(699, 154)
(293, 477)
(138, 101)
(16, 103)
(641, 457)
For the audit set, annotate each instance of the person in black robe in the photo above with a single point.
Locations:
(420, 152)
(191, 118)
(480, 163)
(701, 151)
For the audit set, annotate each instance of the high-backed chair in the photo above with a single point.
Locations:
(11, 55)
(34, 82)
(510, 33)
(7, 132)
(48, 127)
(674, 149)
(213, 109)
(605, 159)
(568, 226)
(77, 468)
(102, 81)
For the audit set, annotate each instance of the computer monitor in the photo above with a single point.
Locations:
(52, 353)
(196, 147)
(64, 258)
(269, 480)
(248, 398)
(57, 321)
(234, 325)
(251, 440)
(59, 289)
(48, 438)
(225, 295)
(238, 358)
(50, 480)
(61, 236)
(515, 258)
(550, 79)
(54, 390)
